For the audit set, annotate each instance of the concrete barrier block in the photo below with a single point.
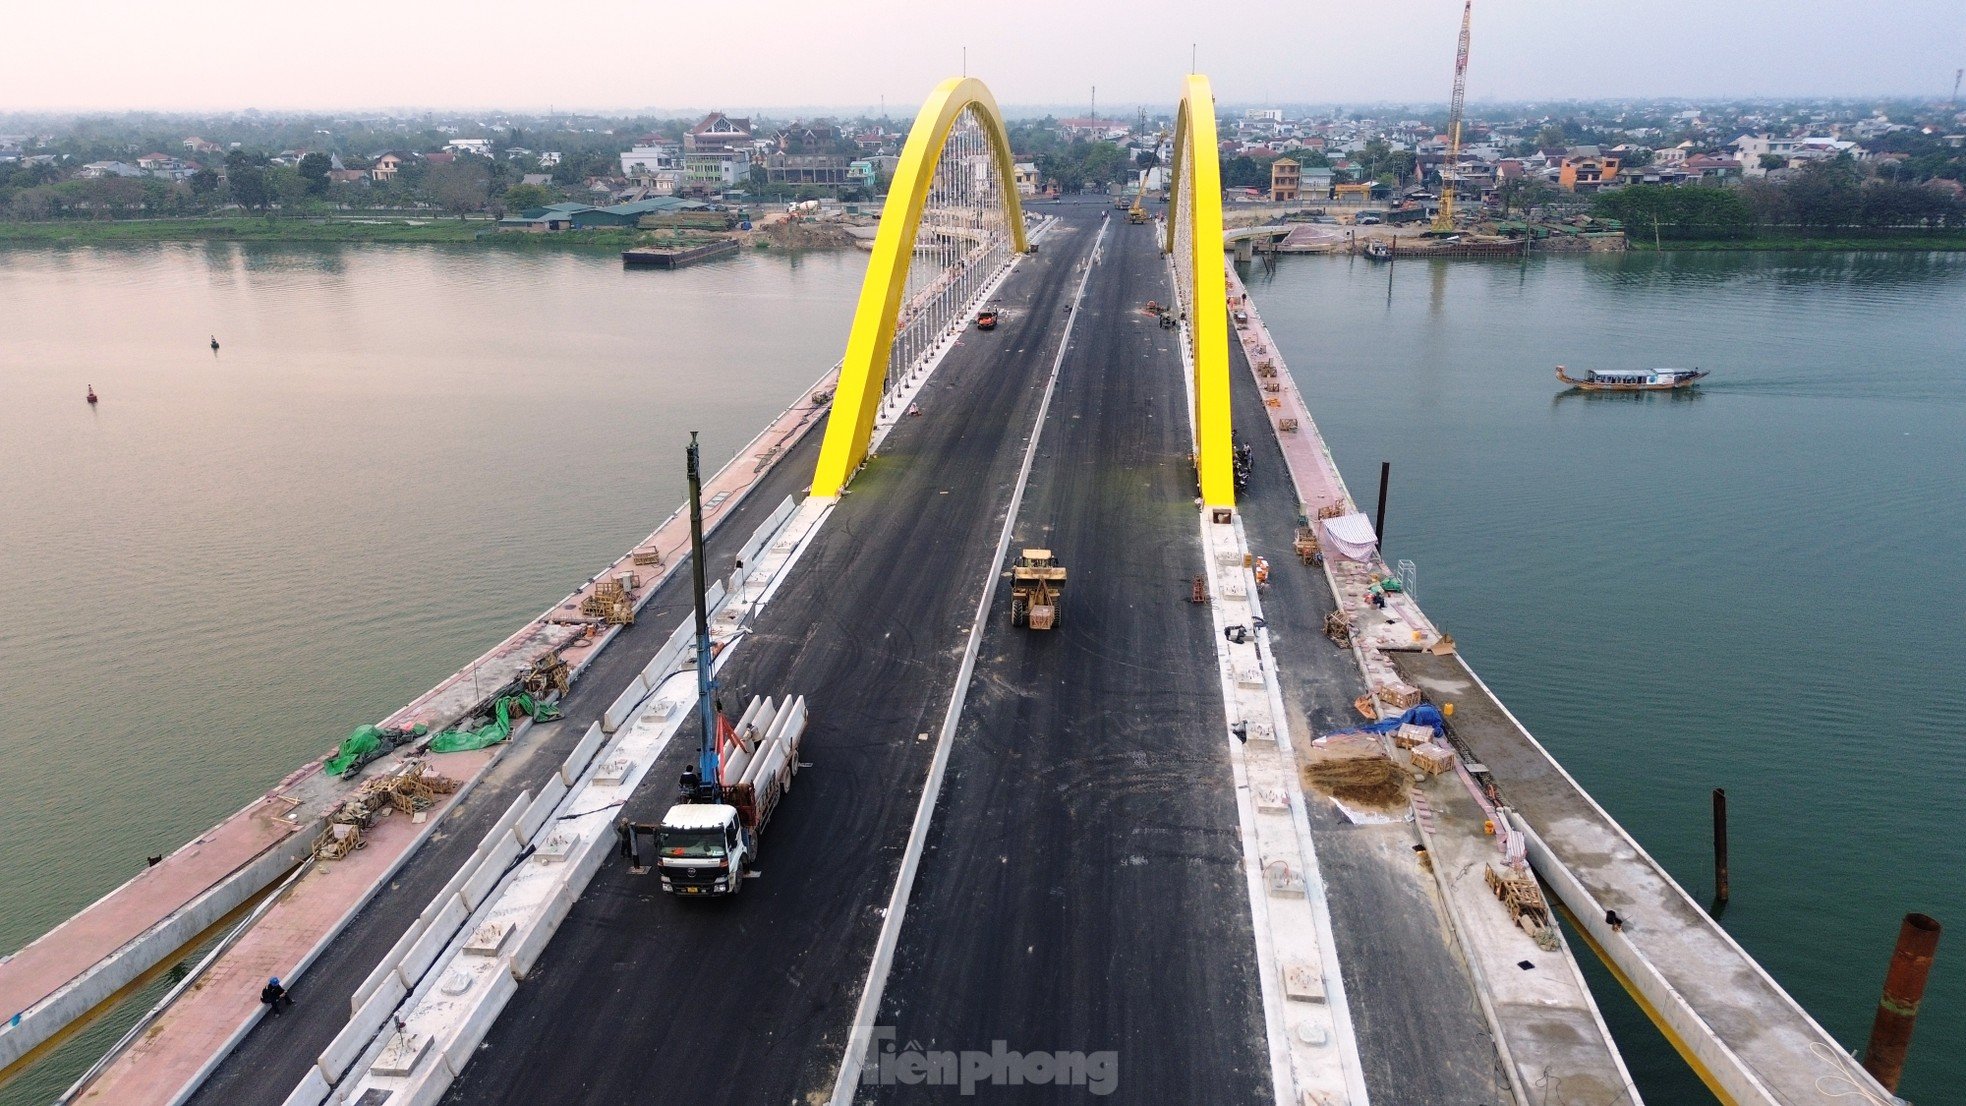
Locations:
(582, 754)
(433, 1078)
(386, 967)
(491, 868)
(624, 705)
(355, 1037)
(506, 820)
(540, 813)
(583, 864)
(541, 934)
(497, 991)
(429, 945)
(312, 1090)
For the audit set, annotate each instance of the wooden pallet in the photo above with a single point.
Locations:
(1400, 696)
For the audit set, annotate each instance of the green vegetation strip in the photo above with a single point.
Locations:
(256, 229)
(1940, 240)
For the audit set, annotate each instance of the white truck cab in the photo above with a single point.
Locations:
(702, 849)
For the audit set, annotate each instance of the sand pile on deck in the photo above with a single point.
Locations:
(1358, 779)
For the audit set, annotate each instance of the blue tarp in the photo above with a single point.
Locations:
(1426, 714)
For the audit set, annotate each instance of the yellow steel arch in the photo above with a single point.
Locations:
(1195, 195)
(858, 395)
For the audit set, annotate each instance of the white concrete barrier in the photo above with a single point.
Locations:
(312, 1090)
(387, 967)
(665, 659)
(491, 868)
(534, 945)
(762, 536)
(624, 705)
(588, 861)
(430, 944)
(497, 988)
(348, 1045)
(541, 810)
(583, 753)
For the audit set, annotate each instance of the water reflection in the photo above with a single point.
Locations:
(1688, 271)
(1680, 395)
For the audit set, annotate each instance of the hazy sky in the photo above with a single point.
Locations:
(747, 54)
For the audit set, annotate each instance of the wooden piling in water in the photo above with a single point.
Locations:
(1904, 988)
(1379, 524)
(1720, 846)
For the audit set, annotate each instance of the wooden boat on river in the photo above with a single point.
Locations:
(1632, 380)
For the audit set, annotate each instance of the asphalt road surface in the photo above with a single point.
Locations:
(642, 997)
(1083, 890)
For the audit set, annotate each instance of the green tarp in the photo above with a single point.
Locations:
(500, 727)
(364, 745)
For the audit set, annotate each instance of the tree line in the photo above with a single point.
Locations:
(1824, 197)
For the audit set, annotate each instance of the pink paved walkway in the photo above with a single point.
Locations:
(65, 952)
(1315, 475)
(227, 997)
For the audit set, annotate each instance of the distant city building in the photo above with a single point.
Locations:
(387, 165)
(818, 170)
(1586, 169)
(480, 147)
(650, 157)
(717, 132)
(96, 170)
(1025, 174)
(1286, 180)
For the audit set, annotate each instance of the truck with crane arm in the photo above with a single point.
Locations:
(707, 841)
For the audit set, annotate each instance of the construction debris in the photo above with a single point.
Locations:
(610, 601)
(410, 789)
(1409, 736)
(1307, 546)
(548, 674)
(1399, 696)
(1519, 892)
(1338, 627)
(1371, 780)
(1433, 759)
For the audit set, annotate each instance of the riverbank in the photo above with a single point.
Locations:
(433, 231)
(1951, 241)
(400, 231)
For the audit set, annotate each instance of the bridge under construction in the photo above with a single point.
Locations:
(1242, 825)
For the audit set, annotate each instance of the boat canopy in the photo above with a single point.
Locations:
(1638, 376)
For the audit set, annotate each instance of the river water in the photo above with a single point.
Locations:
(1760, 587)
(397, 456)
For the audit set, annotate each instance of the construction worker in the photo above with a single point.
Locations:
(275, 996)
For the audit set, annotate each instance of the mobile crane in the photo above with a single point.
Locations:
(708, 839)
(1449, 169)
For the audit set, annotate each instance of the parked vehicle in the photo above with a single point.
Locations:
(709, 839)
